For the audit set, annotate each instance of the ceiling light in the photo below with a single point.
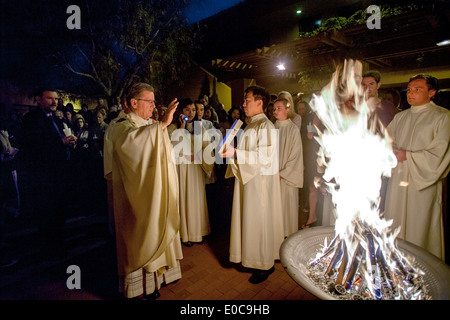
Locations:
(444, 42)
(299, 11)
(281, 67)
(443, 38)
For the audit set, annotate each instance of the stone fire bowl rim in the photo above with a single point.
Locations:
(440, 271)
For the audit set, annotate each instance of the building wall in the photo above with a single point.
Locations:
(237, 90)
(224, 94)
(198, 78)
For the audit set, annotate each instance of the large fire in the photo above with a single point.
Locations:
(362, 260)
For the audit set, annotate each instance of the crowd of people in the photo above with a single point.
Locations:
(151, 168)
(52, 165)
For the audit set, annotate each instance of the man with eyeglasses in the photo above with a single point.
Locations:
(421, 144)
(145, 192)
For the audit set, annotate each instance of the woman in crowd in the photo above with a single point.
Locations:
(310, 149)
(296, 119)
(81, 132)
(68, 119)
(81, 157)
(269, 112)
(208, 115)
(201, 112)
(234, 114)
(207, 126)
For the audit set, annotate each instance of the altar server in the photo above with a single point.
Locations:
(257, 218)
(421, 144)
(291, 163)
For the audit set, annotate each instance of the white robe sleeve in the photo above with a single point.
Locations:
(291, 159)
(257, 154)
(431, 164)
(427, 154)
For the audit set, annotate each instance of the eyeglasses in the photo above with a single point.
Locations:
(148, 101)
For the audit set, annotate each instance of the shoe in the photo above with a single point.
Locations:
(166, 284)
(261, 275)
(153, 296)
(188, 244)
(309, 225)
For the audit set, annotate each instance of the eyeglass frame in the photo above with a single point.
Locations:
(148, 101)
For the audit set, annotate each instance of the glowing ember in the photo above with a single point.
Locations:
(361, 261)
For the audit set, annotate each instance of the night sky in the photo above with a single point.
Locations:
(201, 9)
(22, 31)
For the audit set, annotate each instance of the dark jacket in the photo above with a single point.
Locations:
(41, 144)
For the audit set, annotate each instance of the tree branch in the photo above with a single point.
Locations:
(87, 75)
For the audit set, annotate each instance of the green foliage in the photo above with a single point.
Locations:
(359, 17)
(143, 40)
(316, 78)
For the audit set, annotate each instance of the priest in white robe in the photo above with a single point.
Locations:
(145, 187)
(257, 218)
(421, 144)
(291, 163)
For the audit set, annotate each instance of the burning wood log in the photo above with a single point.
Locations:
(368, 274)
(342, 266)
(339, 252)
(354, 266)
(327, 252)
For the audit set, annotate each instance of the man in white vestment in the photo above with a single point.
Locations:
(257, 218)
(145, 187)
(420, 142)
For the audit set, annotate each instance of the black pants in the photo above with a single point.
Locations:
(50, 199)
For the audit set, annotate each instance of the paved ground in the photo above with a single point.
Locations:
(34, 278)
(208, 278)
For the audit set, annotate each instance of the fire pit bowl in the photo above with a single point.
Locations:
(299, 249)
